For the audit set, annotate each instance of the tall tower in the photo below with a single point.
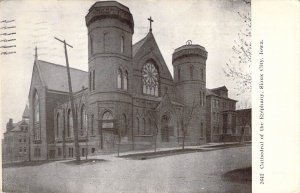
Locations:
(189, 64)
(110, 29)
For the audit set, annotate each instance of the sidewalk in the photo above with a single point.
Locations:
(208, 146)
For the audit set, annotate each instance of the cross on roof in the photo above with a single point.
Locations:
(150, 20)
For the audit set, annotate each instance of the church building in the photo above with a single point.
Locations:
(128, 91)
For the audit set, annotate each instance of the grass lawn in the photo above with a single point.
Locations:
(243, 175)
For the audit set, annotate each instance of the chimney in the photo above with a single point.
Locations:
(9, 125)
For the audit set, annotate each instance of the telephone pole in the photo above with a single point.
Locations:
(75, 122)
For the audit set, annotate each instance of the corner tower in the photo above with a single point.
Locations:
(110, 29)
(189, 64)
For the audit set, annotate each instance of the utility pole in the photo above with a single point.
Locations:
(75, 122)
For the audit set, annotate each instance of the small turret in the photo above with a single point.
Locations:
(189, 64)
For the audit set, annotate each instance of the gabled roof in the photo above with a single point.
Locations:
(54, 76)
(148, 46)
(220, 88)
(138, 45)
(168, 104)
(212, 92)
(209, 92)
(26, 112)
(17, 126)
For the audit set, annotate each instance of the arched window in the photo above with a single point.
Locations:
(36, 108)
(122, 44)
(90, 80)
(57, 125)
(107, 120)
(92, 124)
(144, 125)
(93, 79)
(125, 80)
(36, 117)
(119, 78)
(91, 43)
(69, 123)
(149, 127)
(178, 74)
(191, 72)
(138, 125)
(201, 99)
(150, 79)
(202, 74)
(83, 121)
(105, 41)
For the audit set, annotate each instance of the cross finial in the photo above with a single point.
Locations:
(35, 55)
(150, 20)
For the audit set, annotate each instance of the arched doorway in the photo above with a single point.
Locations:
(165, 128)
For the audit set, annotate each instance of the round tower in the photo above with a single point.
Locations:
(110, 29)
(189, 64)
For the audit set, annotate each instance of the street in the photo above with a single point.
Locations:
(191, 172)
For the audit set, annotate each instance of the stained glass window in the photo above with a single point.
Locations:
(57, 125)
(36, 117)
(83, 120)
(150, 79)
(70, 123)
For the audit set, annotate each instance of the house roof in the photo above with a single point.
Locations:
(210, 92)
(17, 126)
(220, 88)
(54, 76)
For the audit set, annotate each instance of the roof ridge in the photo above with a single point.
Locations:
(136, 47)
(140, 40)
(218, 87)
(59, 65)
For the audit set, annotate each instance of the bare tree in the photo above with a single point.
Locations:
(185, 117)
(238, 67)
(120, 132)
(155, 131)
(244, 123)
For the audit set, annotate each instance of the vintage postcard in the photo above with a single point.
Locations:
(136, 96)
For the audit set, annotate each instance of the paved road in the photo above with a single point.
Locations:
(192, 172)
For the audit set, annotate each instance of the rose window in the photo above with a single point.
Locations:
(150, 79)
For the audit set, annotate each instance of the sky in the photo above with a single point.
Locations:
(213, 24)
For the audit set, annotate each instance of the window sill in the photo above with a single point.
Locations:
(143, 136)
(37, 141)
(58, 140)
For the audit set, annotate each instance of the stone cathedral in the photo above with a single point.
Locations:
(128, 91)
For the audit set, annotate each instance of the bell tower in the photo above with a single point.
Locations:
(110, 29)
(189, 64)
